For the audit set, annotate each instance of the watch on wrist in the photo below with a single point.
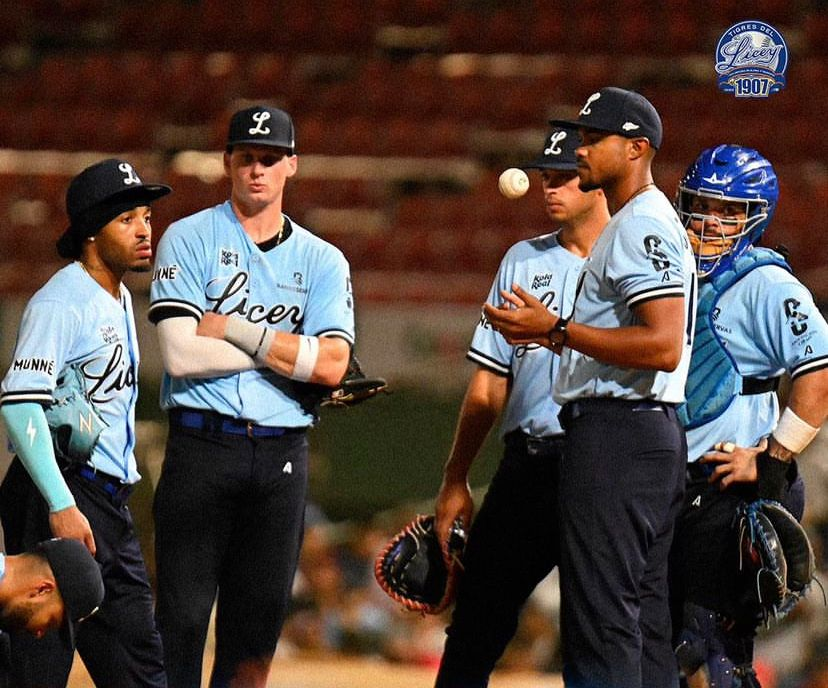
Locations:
(557, 335)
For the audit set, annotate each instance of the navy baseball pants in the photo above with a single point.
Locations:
(622, 482)
(513, 545)
(229, 516)
(119, 644)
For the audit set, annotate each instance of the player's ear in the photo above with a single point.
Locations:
(226, 160)
(293, 163)
(43, 587)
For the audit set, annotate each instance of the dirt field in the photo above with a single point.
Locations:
(356, 673)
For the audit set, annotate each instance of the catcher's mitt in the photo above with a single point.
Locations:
(355, 387)
(776, 555)
(411, 569)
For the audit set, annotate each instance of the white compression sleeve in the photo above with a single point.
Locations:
(185, 354)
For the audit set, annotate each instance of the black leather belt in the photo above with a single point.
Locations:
(210, 421)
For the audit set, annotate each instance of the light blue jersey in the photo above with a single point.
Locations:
(642, 254)
(770, 326)
(207, 262)
(550, 272)
(73, 320)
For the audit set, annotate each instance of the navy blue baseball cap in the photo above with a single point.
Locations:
(618, 111)
(98, 195)
(262, 125)
(78, 579)
(558, 152)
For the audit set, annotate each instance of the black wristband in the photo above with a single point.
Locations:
(772, 476)
(558, 334)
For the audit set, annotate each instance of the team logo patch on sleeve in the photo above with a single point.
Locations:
(796, 320)
(655, 255)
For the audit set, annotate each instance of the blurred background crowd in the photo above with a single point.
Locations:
(406, 113)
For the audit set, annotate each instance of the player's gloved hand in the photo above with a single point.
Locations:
(776, 556)
(454, 504)
(355, 387)
(411, 569)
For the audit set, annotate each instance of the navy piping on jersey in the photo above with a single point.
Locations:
(657, 293)
(168, 308)
(487, 362)
(40, 396)
(810, 366)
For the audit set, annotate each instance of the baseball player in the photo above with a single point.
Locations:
(249, 308)
(515, 381)
(55, 585)
(756, 322)
(625, 352)
(57, 582)
(79, 329)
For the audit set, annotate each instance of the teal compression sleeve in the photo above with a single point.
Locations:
(29, 432)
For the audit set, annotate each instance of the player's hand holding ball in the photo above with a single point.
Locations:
(513, 183)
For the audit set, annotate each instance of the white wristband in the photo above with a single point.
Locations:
(305, 358)
(254, 340)
(793, 433)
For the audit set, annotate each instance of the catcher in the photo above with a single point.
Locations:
(755, 322)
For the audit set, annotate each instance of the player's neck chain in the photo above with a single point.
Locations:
(635, 193)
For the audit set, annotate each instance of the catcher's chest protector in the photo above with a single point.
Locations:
(714, 379)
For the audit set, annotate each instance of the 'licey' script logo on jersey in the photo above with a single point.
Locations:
(232, 298)
(36, 365)
(260, 118)
(115, 375)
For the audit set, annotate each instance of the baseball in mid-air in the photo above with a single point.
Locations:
(513, 183)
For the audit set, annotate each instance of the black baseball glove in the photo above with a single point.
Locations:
(776, 557)
(411, 569)
(355, 387)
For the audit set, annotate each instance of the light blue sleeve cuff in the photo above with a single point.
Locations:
(29, 432)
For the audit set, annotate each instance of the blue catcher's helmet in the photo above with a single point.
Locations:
(734, 174)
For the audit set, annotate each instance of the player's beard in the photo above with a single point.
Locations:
(586, 185)
(16, 617)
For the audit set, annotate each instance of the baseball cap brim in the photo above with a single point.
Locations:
(544, 164)
(262, 143)
(575, 124)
